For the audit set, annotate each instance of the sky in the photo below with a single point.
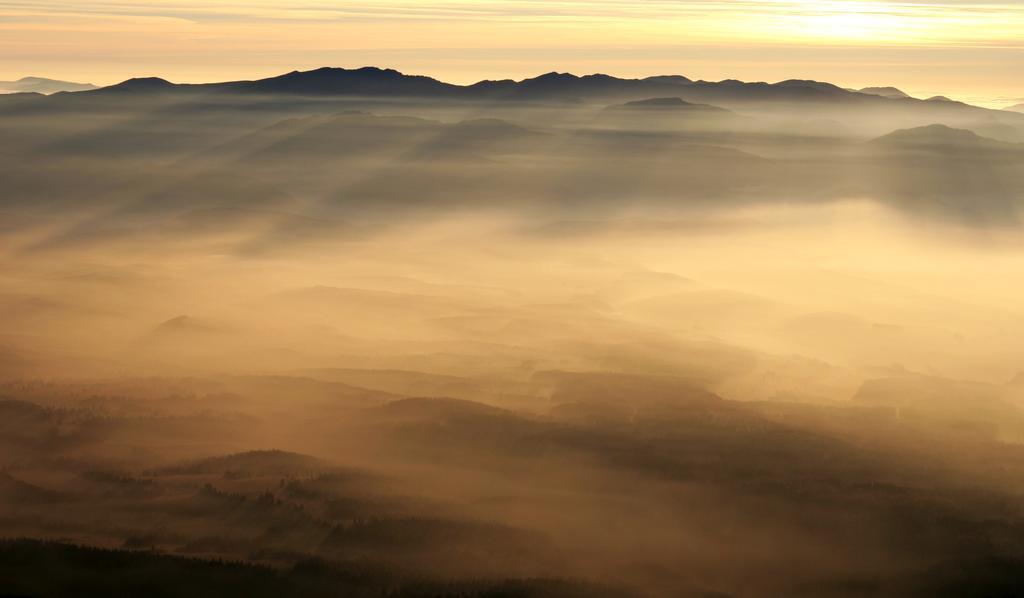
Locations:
(967, 49)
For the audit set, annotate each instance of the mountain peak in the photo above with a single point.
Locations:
(809, 83)
(677, 79)
(374, 70)
(42, 85)
(935, 135)
(366, 80)
(886, 92)
(142, 84)
(333, 71)
(552, 77)
(557, 75)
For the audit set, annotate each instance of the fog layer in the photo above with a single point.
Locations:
(643, 347)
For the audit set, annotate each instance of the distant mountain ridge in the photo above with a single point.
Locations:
(374, 81)
(697, 103)
(42, 85)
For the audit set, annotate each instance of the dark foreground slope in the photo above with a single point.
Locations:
(34, 568)
(644, 484)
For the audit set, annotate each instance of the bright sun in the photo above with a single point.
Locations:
(849, 20)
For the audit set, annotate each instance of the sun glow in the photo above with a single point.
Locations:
(850, 25)
(854, 21)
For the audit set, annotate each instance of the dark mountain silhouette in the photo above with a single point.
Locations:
(941, 136)
(42, 85)
(336, 81)
(373, 81)
(140, 85)
(10, 99)
(305, 92)
(38, 568)
(886, 92)
(674, 79)
(667, 105)
(572, 87)
(1017, 108)
(825, 88)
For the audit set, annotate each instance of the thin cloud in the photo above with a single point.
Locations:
(491, 9)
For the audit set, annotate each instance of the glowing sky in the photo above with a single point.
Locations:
(966, 48)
